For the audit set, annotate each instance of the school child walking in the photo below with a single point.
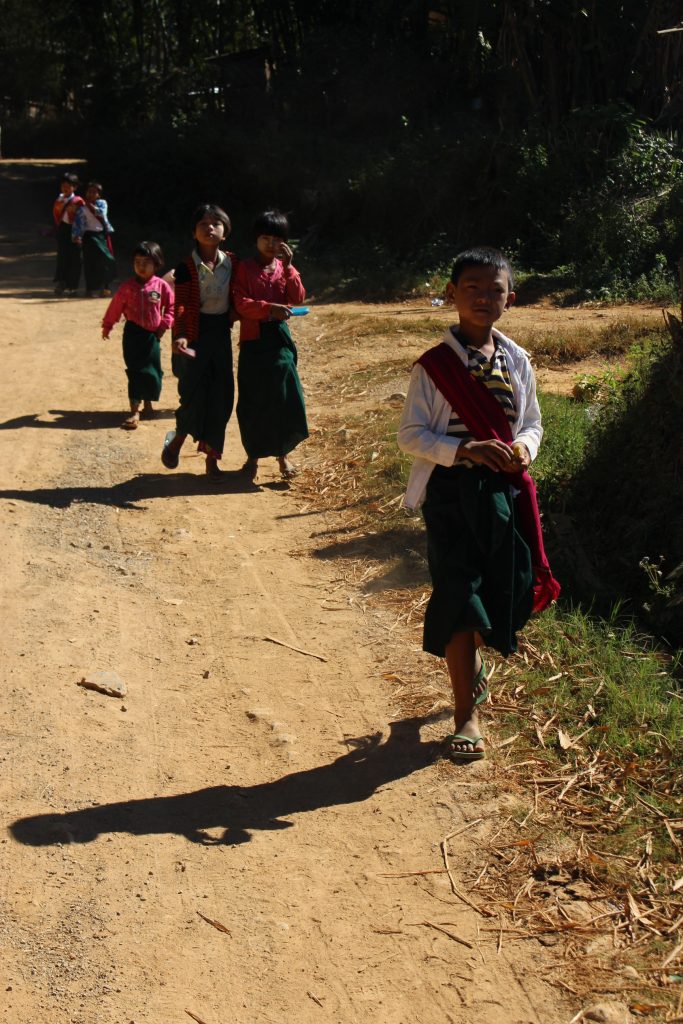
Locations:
(65, 207)
(145, 301)
(472, 422)
(270, 401)
(202, 348)
(92, 231)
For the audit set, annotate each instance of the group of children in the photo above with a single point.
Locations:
(210, 290)
(83, 237)
(471, 421)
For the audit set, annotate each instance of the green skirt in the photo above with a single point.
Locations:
(99, 266)
(479, 563)
(206, 387)
(142, 356)
(270, 406)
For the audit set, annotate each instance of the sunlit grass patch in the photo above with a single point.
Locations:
(575, 342)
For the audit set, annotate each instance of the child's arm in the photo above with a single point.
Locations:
(114, 311)
(530, 429)
(183, 297)
(167, 302)
(78, 226)
(416, 435)
(295, 292)
(101, 211)
(253, 309)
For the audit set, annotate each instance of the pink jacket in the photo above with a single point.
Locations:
(254, 291)
(148, 305)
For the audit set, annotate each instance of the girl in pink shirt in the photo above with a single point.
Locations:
(146, 303)
(270, 406)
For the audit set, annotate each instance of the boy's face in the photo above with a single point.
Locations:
(92, 194)
(481, 295)
(67, 188)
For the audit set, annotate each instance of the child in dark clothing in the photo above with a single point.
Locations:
(68, 270)
(473, 423)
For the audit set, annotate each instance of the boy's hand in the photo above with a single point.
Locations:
(179, 345)
(286, 255)
(496, 455)
(279, 312)
(105, 334)
(521, 456)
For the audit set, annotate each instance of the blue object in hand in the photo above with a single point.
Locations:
(299, 310)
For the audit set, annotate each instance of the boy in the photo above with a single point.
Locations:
(64, 209)
(469, 399)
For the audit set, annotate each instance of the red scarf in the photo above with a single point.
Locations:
(485, 420)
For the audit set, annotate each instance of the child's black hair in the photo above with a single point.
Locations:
(272, 222)
(71, 178)
(482, 256)
(215, 211)
(152, 250)
(94, 184)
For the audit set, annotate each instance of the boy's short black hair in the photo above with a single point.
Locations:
(152, 250)
(482, 256)
(71, 178)
(95, 185)
(272, 222)
(216, 211)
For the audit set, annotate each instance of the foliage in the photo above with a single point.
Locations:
(625, 497)
(395, 134)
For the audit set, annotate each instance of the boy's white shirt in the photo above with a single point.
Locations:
(424, 422)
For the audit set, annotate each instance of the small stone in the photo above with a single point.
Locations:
(193, 641)
(398, 396)
(205, 674)
(630, 972)
(109, 683)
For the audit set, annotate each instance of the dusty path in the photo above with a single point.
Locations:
(238, 780)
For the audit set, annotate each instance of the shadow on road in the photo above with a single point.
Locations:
(130, 493)
(241, 810)
(74, 419)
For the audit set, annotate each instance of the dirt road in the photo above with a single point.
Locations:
(228, 840)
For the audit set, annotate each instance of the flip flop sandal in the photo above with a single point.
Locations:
(463, 756)
(130, 424)
(289, 473)
(169, 459)
(479, 678)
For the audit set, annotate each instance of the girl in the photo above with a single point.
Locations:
(68, 271)
(146, 303)
(92, 230)
(270, 406)
(201, 342)
(469, 399)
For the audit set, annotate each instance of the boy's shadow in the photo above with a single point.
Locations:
(241, 810)
(143, 487)
(75, 419)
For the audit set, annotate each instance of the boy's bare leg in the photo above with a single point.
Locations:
(250, 469)
(287, 468)
(133, 420)
(148, 410)
(174, 446)
(463, 660)
(212, 468)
